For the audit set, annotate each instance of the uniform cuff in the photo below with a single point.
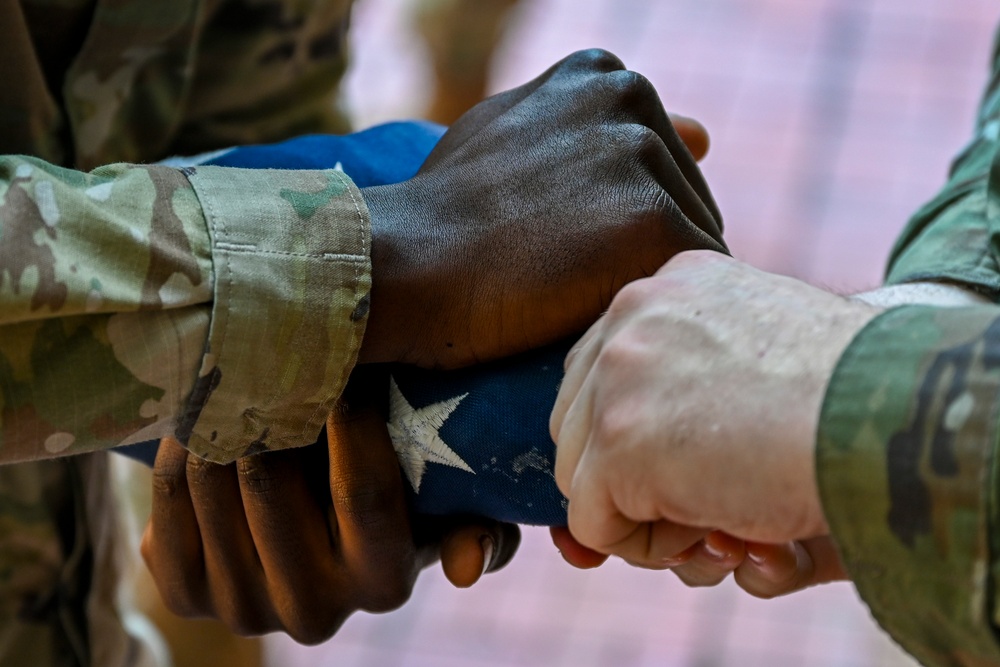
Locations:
(904, 465)
(292, 277)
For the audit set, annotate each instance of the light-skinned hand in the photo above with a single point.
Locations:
(692, 406)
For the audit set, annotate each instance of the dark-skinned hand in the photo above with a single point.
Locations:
(534, 209)
(297, 540)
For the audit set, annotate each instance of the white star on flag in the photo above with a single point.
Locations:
(415, 434)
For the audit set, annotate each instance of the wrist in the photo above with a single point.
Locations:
(927, 293)
(379, 343)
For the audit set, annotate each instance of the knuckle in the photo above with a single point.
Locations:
(256, 477)
(168, 482)
(180, 601)
(367, 505)
(759, 591)
(201, 471)
(635, 144)
(631, 138)
(630, 298)
(246, 622)
(564, 479)
(310, 633)
(595, 60)
(630, 86)
(614, 424)
(584, 529)
(693, 259)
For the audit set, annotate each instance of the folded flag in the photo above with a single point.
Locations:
(471, 441)
(476, 440)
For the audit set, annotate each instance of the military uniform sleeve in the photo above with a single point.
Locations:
(907, 474)
(954, 237)
(222, 305)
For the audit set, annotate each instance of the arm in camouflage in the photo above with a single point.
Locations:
(225, 305)
(905, 468)
(952, 237)
(909, 431)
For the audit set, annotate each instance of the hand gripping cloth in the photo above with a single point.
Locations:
(471, 441)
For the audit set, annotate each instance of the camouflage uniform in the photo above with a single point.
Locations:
(142, 300)
(909, 430)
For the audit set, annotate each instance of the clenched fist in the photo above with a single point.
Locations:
(534, 209)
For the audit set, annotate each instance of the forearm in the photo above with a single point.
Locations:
(144, 301)
(105, 290)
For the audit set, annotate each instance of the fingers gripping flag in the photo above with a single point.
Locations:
(472, 441)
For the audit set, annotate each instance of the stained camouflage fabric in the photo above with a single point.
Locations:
(909, 430)
(110, 280)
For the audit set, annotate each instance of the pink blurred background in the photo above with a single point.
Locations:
(831, 122)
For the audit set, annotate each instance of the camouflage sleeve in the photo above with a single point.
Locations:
(223, 305)
(952, 237)
(905, 464)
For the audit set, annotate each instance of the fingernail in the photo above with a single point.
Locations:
(756, 559)
(717, 546)
(713, 552)
(488, 545)
(674, 561)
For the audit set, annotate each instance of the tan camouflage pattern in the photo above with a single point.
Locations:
(60, 563)
(108, 290)
(113, 273)
(93, 82)
(109, 276)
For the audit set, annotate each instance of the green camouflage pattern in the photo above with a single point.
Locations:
(125, 289)
(954, 237)
(908, 434)
(301, 286)
(905, 464)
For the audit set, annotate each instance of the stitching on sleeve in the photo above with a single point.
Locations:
(324, 406)
(246, 249)
(221, 306)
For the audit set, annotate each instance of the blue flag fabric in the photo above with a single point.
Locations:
(471, 441)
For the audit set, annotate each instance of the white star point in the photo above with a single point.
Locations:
(415, 435)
